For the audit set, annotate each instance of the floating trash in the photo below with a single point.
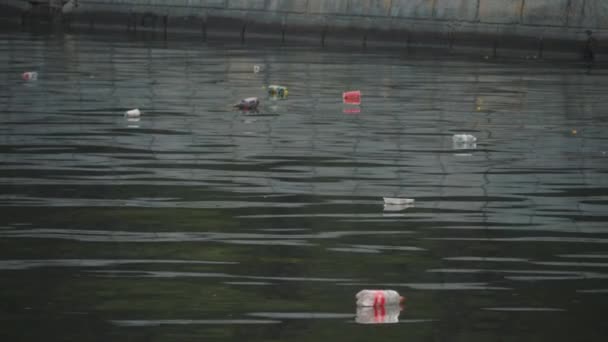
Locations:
(464, 145)
(248, 103)
(398, 201)
(464, 142)
(397, 207)
(352, 97)
(378, 315)
(257, 69)
(464, 138)
(371, 298)
(29, 76)
(133, 113)
(278, 91)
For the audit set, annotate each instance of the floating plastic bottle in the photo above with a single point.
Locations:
(352, 97)
(397, 207)
(278, 91)
(398, 201)
(249, 103)
(468, 138)
(29, 76)
(377, 298)
(378, 314)
(133, 113)
(463, 145)
(464, 142)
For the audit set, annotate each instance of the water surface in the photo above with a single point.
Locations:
(201, 222)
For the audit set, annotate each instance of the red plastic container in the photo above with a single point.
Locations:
(352, 97)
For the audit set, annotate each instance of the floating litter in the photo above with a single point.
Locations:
(397, 207)
(352, 97)
(464, 138)
(278, 91)
(398, 201)
(29, 76)
(377, 298)
(464, 142)
(248, 103)
(133, 113)
(257, 69)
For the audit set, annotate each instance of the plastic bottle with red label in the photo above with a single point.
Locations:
(352, 97)
(377, 298)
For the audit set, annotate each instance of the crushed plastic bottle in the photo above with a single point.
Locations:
(378, 314)
(278, 91)
(379, 298)
(133, 113)
(464, 142)
(352, 97)
(29, 76)
(398, 201)
(249, 103)
(468, 138)
(397, 207)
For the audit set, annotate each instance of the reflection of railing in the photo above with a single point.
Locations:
(54, 6)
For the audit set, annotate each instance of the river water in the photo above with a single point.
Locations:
(202, 222)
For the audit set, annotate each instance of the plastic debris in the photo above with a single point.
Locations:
(464, 142)
(249, 103)
(29, 76)
(397, 207)
(398, 201)
(257, 69)
(378, 298)
(378, 315)
(464, 145)
(464, 138)
(352, 97)
(278, 91)
(133, 113)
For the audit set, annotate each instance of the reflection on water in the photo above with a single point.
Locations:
(196, 221)
(378, 315)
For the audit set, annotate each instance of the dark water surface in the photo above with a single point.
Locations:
(199, 222)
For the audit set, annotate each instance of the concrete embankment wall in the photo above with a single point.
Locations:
(510, 23)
